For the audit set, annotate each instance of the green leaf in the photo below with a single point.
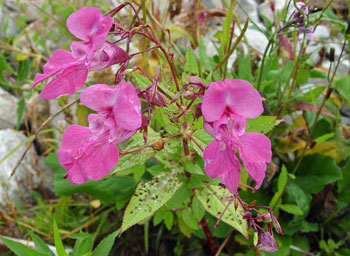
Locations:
(20, 249)
(188, 218)
(40, 245)
(244, 68)
(105, 246)
(197, 208)
(212, 199)
(342, 85)
(282, 179)
(168, 219)
(23, 70)
(83, 245)
(191, 65)
(20, 110)
(149, 197)
(110, 190)
(58, 241)
(291, 208)
(316, 171)
(193, 168)
(262, 124)
(203, 139)
(206, 62)
(141, 81)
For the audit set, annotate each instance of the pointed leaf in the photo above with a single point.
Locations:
(149, 197)
(212, 197)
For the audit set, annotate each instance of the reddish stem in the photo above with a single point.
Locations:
(208, 235)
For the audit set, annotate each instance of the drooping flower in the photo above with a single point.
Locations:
(91, 152)
(300, 15)
(69, 69)
(266, 243)
(225, 107)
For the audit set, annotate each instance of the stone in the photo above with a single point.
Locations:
(25, 177)
(8, 110)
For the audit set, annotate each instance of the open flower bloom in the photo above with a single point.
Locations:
(70, 69)
(91, 152)
(225, 107)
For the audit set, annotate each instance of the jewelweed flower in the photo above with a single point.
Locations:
(69, 70)
(226, 106)
(91, 152)
(266, 243)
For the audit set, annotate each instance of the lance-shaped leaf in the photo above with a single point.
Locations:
(149, 197)
(213, 200)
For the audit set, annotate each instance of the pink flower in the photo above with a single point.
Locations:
(91, 152)
(225, 107)
(69, 69)
(266, 243)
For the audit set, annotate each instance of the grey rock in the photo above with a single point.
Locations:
(265, 9)
(250, 8)
(8, 107)
(25, 177)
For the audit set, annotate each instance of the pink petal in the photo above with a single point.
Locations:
(255, 151)
(56, 63)
(214, 105)
(81, 50)
(67, 82)
(117, 134)
(231, 179)
(108, 55)
(100, 97)
(127, 108)
(86, 156)
(59, 59)
(97, 160)
(74, 137)
(219, 158)
(89, 24)
(242, 98)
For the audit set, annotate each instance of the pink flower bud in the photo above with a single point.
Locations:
(190, 95)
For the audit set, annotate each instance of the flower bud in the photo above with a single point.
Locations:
(190, 95)
(266, 243)
(198, 110)
(266, 217)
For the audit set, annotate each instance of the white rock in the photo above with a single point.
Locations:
(265, 9)
(25, 173)
(256, 39)
(280, 4)
(321, 31)
(249, 7)
(8, 107)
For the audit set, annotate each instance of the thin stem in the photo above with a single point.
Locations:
(309, 139)
(150, 145)
(208, 235)
(233, 47)
(37, 133)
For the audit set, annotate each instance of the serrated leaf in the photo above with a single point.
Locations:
(212, 197)
(291, 208)
(20, 249)
(203, 139)
(262, 124)
(105, 246)
(149, 197)
(141, 81)
(191, 65)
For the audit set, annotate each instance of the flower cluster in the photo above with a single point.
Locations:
(91, 152)
(226, 106)
(70, 69)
